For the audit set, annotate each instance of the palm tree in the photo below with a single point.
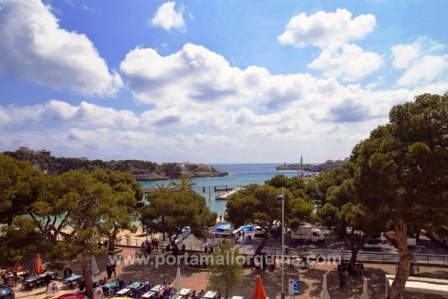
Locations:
(182, 184)
(160, 188)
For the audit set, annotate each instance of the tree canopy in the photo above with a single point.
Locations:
(169, 211)
(65, 215)
(226, 271)
(257, 204)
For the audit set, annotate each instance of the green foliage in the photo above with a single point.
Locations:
(328, 215)
(169, 211)
(257, 204)
(226, 271)
(43, 161)
(182, 184)
(19, 185)
(401, 171)
(15, 240)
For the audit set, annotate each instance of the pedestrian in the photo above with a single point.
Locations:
(121, 283)
(205, 248)
(220, 217)
(67, 272)
(148, 250)
(113, 266)
(341, 279)
(361, 269)
(47, 280)
(109, 270)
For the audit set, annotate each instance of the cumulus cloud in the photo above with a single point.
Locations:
(425, 70)
(403, 55)
(86, 114)
(197, 87)
(332, 33)
(349, 62)
(423, 62)
(192, 74)
(325, 30)
(36, 49)
(168, 18)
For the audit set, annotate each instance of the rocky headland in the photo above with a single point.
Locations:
(329, 164)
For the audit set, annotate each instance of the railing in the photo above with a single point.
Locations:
(367, 257)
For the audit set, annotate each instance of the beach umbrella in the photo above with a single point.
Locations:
(95, 270)
(324, 294)
(177, 281)
(38, 267)
(365, 293)
(259, 292)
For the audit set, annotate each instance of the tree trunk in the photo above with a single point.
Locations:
(264, 242)
(354, 250)
(404, 262)
(112, 240)
(86, 274)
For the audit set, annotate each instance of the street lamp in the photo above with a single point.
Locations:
(282, 198)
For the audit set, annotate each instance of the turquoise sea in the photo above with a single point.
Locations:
(239, 175)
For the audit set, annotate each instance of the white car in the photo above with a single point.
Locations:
(186, 231)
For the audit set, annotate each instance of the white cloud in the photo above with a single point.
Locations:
(192, 74)
(403, 55)
(332, 33)
(36, 49)
(325, 30)
(13, 114)
(88, 8)
(349, 62)
(168, 18)
(423, 62)
(427, 69)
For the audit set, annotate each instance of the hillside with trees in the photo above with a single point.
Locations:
(326, 166)
(141, 170)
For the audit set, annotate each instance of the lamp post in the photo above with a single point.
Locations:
(282, 198)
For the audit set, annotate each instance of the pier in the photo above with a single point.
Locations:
(204, 189)
(227, 194)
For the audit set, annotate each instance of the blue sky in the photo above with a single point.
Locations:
(212, 81)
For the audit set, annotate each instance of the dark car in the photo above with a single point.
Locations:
(6, 293)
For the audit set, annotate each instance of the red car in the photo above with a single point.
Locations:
(73, 296)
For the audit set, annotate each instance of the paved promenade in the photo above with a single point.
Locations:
(310, 279)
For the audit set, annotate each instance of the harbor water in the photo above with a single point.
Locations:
(239, 175)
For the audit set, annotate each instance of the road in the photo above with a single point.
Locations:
(427, 251)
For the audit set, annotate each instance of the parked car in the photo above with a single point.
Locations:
(73, 296)
(186, 231)
(7, 293)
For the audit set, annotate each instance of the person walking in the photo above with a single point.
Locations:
(113, 266)
(109, 270)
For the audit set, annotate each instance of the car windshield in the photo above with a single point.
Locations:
(5, 291)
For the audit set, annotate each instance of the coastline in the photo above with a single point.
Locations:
(156, 177)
